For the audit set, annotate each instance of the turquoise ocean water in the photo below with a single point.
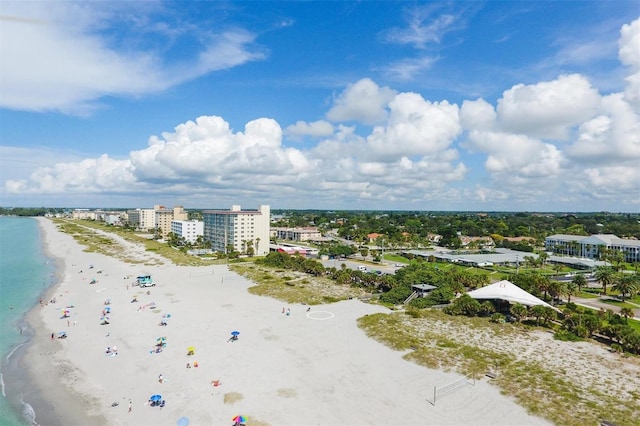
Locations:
(25, 273)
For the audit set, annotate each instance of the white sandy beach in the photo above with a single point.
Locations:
(315, 368)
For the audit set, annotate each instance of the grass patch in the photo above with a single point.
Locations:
(588, 295)
(543, 391)
(86, 233)
(634, 324)
(291, 287)
(617, 303)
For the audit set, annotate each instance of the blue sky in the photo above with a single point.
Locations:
(508, 105)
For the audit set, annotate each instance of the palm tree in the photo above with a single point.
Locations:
(538, 312)
(604, 274)
(542, 257)
(571, 287)
(626, 284)
(626, 313)
(556, 289)
(519, 311)
(579, 281)
(542, 283)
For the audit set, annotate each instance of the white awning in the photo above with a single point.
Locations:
(506, 290)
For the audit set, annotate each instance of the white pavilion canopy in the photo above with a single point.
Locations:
(506, 290)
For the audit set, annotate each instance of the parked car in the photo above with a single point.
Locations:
(144, 281)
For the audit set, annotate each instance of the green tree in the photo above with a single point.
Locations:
(519, 311)
(626, 284)
(604, 274)
(579, 281)
(556, 289)
(571, 289)
(486, 308)
(549, 314)
(537, 312)
(626, 313)
(364, 252)
(542, 284)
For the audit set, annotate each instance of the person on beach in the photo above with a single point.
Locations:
(130, 406)
(160, 379)
(288, 311)
(52, 336)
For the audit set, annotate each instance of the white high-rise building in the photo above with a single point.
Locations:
(190, 230)
(243, 231)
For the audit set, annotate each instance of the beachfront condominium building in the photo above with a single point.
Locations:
(242, 231)
(590, 247)
(159, 217)
(190, 230)
(142, 219)
(164, 216)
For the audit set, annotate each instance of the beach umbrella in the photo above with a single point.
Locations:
(182, 421)
(235, 333)
(62, 332)
(191, 349)
(239, 419)
(107, 309)
(155, 398)
(161, 339)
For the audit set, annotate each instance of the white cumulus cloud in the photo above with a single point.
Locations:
(363, 101)
(548, 109)
(316, 129)
(629, 53)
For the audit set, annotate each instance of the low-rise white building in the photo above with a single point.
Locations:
(589, 247)
(296, 234)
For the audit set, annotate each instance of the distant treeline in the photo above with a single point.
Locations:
(28, 211)
(356, 225)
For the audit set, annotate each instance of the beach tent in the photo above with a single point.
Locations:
(505, 290)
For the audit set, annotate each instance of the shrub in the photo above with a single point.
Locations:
(497, 318)
(566, 336)
(421, 302)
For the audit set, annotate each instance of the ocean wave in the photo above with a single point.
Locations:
(13, 350)
(28, 413)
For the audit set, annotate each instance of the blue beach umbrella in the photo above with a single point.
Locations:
(155, 398)
(235, 333)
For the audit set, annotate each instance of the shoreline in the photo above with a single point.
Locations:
(56, 408)
(312, 367)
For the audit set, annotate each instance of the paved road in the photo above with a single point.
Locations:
(387, 268)
(598, 304)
